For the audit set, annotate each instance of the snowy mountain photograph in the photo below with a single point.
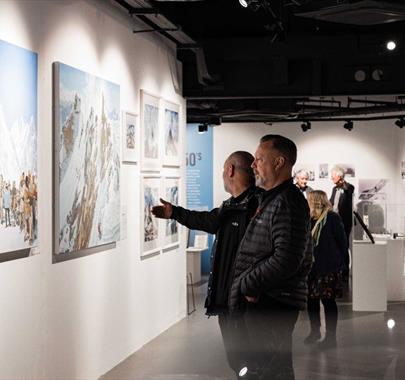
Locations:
(88, 144)
(18, 150)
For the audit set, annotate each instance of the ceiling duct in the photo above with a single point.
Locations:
(365, 12)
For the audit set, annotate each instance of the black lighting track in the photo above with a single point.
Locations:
(142, 13)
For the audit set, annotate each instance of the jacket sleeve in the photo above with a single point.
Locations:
(290, 233)
(340, 237)
(207, 221)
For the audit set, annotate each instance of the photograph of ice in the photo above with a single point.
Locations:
(151, 131)
(88, 141)
(18, 149)
(171, 133)
(150, 230)
(171, 186)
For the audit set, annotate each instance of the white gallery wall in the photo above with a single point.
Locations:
(374, 148)
(77, 319)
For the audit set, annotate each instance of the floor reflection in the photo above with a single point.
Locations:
(193, 349)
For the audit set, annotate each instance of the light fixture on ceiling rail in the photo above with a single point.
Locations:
(348, 125)
(400, 123)
(202, 128)
(306, 126)
(244, 3)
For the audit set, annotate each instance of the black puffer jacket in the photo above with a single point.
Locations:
(275, 255)
(229, 223)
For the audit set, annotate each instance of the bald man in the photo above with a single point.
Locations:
(228, 223)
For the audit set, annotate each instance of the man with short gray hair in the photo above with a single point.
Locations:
(342, 202)
(301, 179)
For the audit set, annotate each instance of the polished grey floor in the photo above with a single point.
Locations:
(192, 349)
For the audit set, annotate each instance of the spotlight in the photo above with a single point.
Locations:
(400, 123)
(390, 323)
(348, 125)
(243, 3)
(391, 45)
(306, 126)
(202, 128)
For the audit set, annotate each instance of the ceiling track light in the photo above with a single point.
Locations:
(244, 3)
(306, 126)
(348, 125)
(202, 128)
(391, 45)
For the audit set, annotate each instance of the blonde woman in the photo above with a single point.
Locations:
(325, 280)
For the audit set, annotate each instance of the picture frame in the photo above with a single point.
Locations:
(19, 185)
(150, 230)
(150, 132)
(171, 228)
(130, 137)
(86, 160)
(171, 134)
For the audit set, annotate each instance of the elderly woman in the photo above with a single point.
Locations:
(324, 281)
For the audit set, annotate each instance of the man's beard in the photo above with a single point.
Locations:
(259, 180)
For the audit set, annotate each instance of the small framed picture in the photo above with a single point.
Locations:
(150, 132)
(130, 137)
(171, 134)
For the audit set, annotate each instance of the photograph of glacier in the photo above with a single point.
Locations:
(171, 133)
(88, 184)
(18, 149)
(172, 196)
(150, 230)
(151, 131)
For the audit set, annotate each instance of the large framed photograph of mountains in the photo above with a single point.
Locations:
(86, 163)
(18, 152)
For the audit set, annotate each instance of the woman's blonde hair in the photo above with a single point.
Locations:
(318, 202)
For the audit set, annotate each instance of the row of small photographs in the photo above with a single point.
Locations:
(155, 145)
(324, 170)
(158, 234)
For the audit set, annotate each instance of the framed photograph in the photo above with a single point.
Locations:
(171, 227)
(87, 162)
(150, 132)
(18, 152)
(323, 171)
(150, 234)
(130, 137)
(171, 134)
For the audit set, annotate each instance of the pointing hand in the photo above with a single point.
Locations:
(164, 211)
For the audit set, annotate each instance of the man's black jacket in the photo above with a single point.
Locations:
(275, 255)
(228, 223)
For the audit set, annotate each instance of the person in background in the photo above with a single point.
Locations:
(228, 223)
(325, 279)
(342, 203)
(301, 179)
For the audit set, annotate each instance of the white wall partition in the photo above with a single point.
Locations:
(78, 319)
(374, 148)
